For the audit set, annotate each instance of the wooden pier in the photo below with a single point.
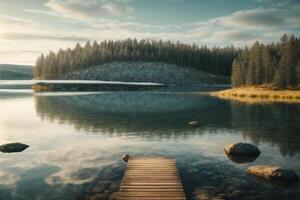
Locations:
(151, 178)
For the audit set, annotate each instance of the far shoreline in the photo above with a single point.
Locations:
(259, 94)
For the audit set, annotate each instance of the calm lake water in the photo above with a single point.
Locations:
(77, 140)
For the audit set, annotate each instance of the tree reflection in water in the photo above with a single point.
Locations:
(163, 115)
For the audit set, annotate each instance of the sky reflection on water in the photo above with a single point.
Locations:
(79, 139)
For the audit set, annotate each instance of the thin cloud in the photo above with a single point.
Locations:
(257, 18)
(8, 20)
(44, 12)
(27, 36)
(233, 35)
(88, 10)
(245, 26)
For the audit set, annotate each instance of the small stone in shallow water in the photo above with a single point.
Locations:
(13, 147)
(194, 124)
(125, 157)
(274, 173)
(242, 149)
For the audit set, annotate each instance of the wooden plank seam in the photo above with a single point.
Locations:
(151, 178)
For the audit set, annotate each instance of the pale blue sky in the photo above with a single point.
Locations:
(29, 28)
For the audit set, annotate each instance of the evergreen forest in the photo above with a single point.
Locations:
(214, 60)
(275, 65)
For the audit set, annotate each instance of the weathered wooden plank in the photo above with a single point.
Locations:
(151, 186)
(143, 198)
(151, 178)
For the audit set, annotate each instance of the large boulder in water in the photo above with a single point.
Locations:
(13, 147)
(274, 173)
(242, 150)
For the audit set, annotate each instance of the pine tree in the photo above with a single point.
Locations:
(267, 65)
(236, 74)
(298, 74)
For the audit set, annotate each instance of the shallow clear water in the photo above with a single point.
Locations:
(77, 139)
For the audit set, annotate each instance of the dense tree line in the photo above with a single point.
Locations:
(275, 65)
(215, 60)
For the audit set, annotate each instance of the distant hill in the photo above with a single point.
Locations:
(146, 72)
(213, 60)
(15, 72)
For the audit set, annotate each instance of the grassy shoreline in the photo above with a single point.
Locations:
(253, 94)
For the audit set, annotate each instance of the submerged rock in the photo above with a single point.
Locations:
(274, 173)
(242, 150)
(126, 157)
(13, 147)
(194, 123)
